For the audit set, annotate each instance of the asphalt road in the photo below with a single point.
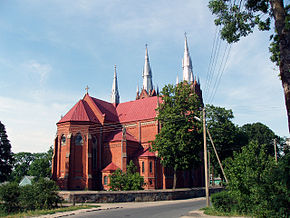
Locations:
(166, 209)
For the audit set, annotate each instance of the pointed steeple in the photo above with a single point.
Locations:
(147, 74)
(186, 62)
(177, 80)
(115, 98)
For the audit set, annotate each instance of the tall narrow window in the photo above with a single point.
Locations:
(79, 139)
(62, 140)
(105, 180)
(150, 166)
(143, 167)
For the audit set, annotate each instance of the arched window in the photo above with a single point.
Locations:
(143, 167)
(79, 139)
(62, 140)
(105, 180)
(150, 166)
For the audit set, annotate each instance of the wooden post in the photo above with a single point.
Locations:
(217, 156)
(205, 160)
(275, 150)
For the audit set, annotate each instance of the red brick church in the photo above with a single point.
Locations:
(97, 137)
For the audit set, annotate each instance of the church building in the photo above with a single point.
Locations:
(97, 137)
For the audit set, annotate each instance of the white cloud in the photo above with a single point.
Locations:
(35, 68)
(31, 125)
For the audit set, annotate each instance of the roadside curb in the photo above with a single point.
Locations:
(75, 212)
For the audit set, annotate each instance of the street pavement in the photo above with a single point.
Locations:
(168, 209)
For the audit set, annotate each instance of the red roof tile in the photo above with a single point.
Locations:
(80, 112)
(147, 153)
(117, 136)
(111, 167)
(107, 108)
(140, 109)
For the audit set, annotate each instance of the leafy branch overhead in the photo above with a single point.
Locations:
(239, 18)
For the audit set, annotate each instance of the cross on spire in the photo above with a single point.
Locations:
(87, 89)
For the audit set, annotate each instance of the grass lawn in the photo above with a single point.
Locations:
(44, 212)
(211, 211)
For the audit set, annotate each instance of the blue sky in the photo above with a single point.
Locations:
(51, 50)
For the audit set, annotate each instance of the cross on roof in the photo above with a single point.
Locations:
(87, 89)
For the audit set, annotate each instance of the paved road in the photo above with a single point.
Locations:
(167, 209)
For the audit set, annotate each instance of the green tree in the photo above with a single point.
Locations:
(257, 184)
(262, 134)
(179, 141)
(238, 19)
(6, 158)
(41, 165)
(124, 181)
(32, 164)
(21, 165)
(226, 136)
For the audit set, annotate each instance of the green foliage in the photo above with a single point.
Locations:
(27, 198)
(9, 197)
(179, 140)
(124, 181)
(46, 197)
(226, 135)
(262, 134)
(239, 18)
(6, 158)
(32, 164)
(223, 202)
(256, 184)
(39, 195)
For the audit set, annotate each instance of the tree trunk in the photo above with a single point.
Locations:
(284, 46)
(174, 180)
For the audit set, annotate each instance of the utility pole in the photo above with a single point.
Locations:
(205, 159)
(217, 156)
(275, 150)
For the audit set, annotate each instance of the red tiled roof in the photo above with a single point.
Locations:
(140, 109)
(117, 136)
(80, 112)
(111, 167)
(147, 153)
(107, 108)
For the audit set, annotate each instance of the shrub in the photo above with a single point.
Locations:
(27, 198)
(46, 197)
(9, 196)
(223, 202)
(130, 180)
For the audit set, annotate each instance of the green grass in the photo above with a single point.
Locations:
(45, 212)
(211, 211)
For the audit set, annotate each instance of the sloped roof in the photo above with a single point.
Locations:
(117, 136)
(111, 167)
(147, 153)
(80, 112)
(140, 109)
(107, 108)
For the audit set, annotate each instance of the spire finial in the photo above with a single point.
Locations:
(87, 89)
(186, 62)
(115, 98)
(147, 74)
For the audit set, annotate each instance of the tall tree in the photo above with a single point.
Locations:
(41, 165)
(6, 158)
(22, 161)
(262, 134)
(226, 136)
(179, 140)
(238, 19)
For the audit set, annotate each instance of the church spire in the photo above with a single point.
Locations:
(147, 74)
(186, 62)
(115, 98)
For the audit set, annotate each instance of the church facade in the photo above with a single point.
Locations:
(96, 137)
